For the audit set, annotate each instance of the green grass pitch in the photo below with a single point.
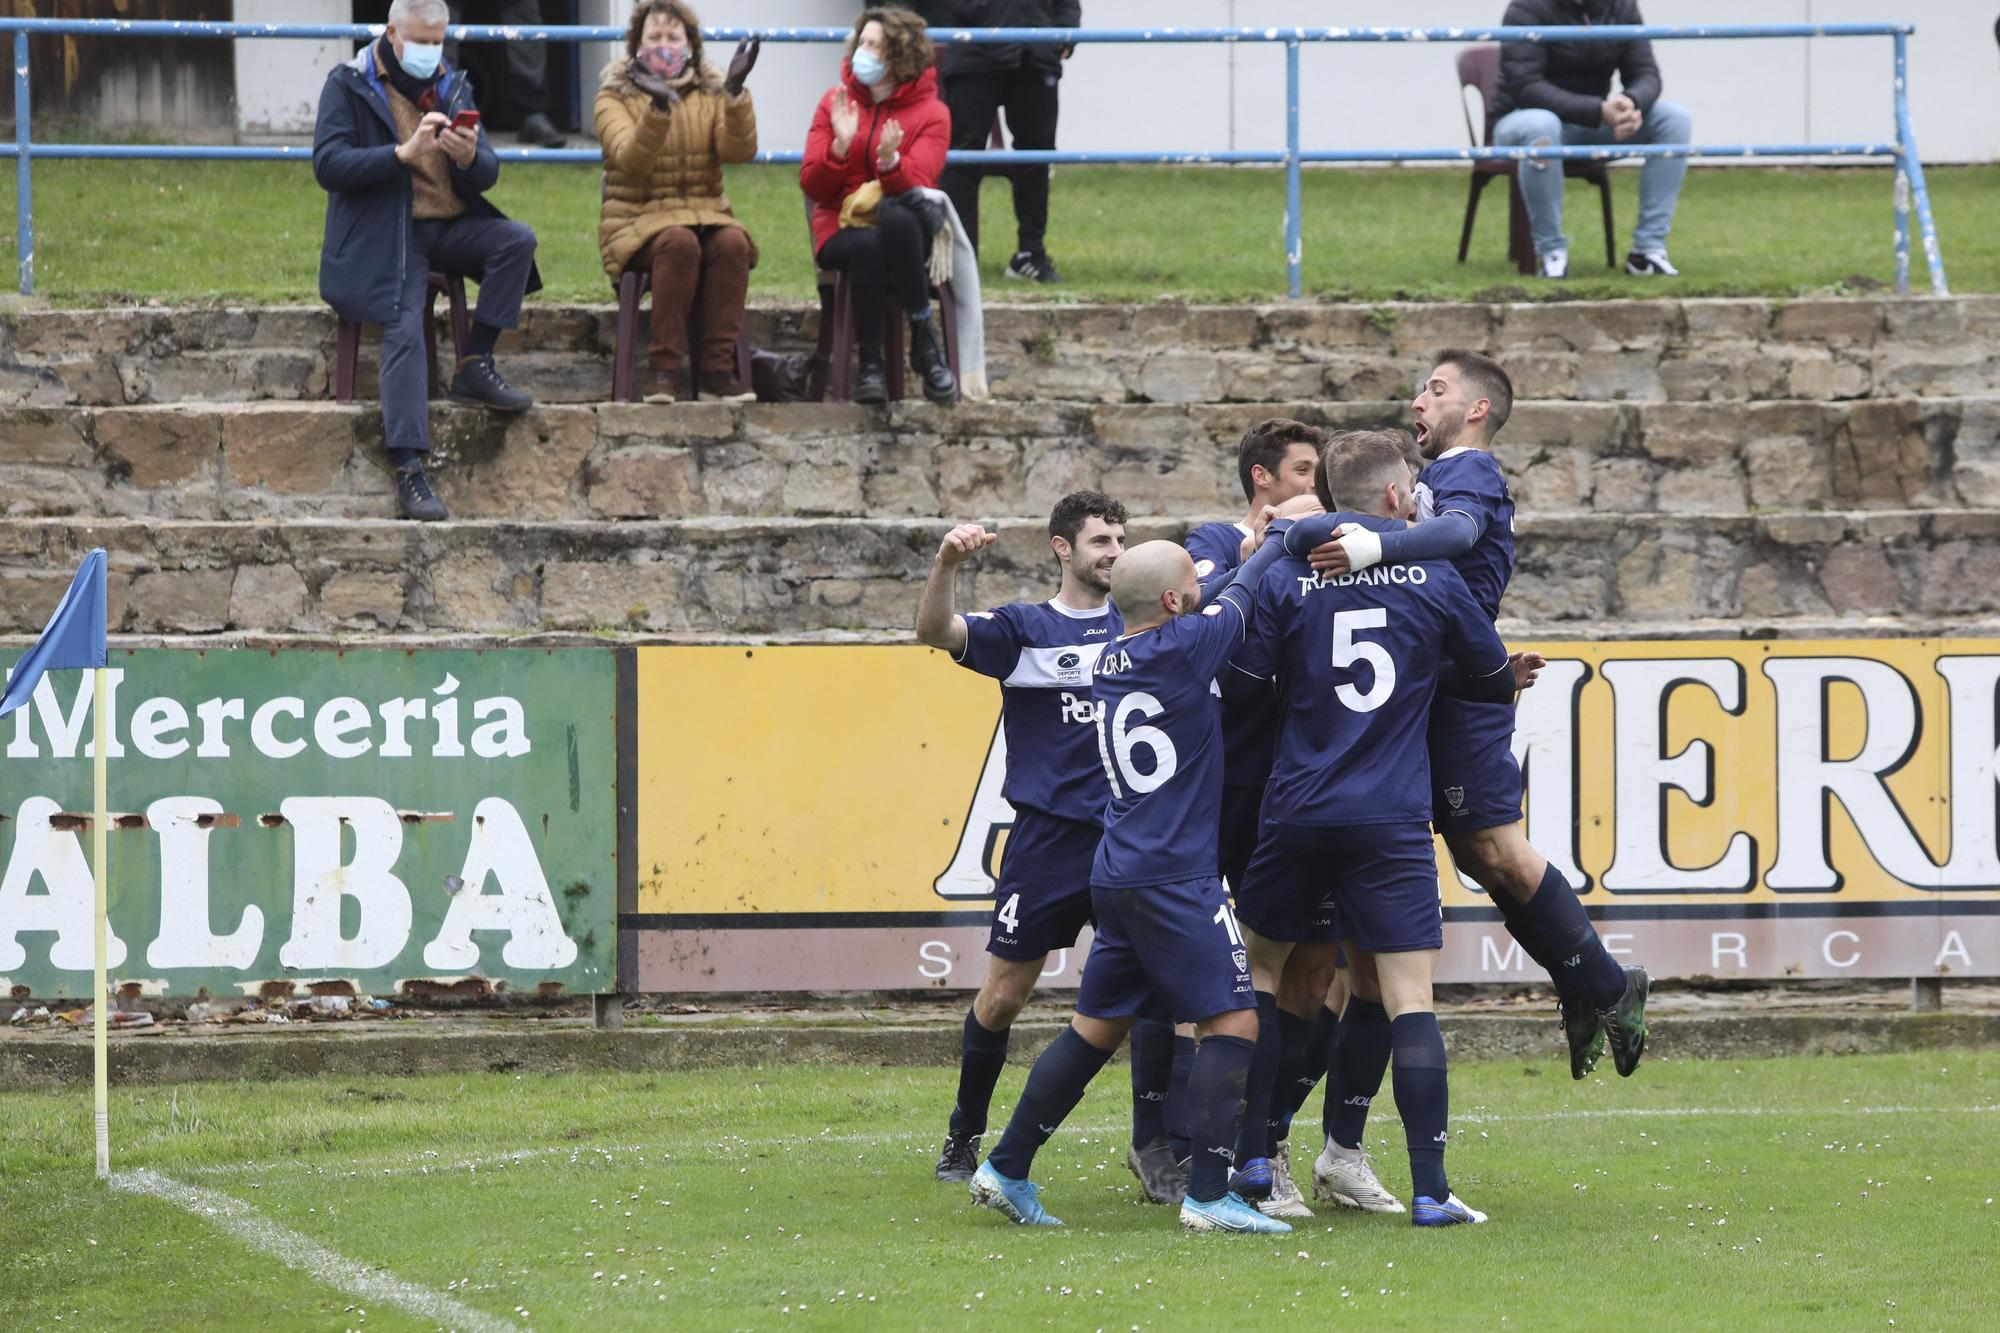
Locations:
(1808, 1192)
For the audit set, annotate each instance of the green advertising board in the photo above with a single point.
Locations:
(376, 817)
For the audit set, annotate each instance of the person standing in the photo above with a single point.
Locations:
(1021, 80)
(1560, 93)
(398, 149)
(668, 122)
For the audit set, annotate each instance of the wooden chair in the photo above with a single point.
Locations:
(633, 286)
(347, 342)
(1479, 67)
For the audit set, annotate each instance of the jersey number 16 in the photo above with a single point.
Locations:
(1116, 750)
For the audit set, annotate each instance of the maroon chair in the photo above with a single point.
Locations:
(347, 342)
(1479, 67)
(634, 284)
(838, 345)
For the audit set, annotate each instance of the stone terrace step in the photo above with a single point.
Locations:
(627, 461)
(757, 576)
(1644, 351)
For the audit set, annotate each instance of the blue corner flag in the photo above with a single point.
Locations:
(74, 637)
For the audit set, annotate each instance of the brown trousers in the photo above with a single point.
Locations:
(712, 260)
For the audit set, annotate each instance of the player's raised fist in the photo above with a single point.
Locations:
(963, 542)
(1526, 666)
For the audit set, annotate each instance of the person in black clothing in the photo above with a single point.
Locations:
(982, 81)
(1560, 92)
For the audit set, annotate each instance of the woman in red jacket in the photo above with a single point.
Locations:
(883, 123)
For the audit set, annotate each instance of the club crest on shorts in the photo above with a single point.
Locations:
(1455, 797)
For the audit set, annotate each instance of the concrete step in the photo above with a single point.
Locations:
(792, 576)
(1641, 351)
(634, 461)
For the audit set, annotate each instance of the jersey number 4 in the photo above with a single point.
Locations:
(1348, 651)
(1116, 749)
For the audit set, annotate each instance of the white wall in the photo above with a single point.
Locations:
(1373, 96)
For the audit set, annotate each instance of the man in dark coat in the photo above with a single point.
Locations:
(1560, 93)
(1022, 80)
(406, 196)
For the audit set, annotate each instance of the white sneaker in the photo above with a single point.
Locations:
(1346, 1176)
(1653, 262)
(1555, 264)
(1285, 1200)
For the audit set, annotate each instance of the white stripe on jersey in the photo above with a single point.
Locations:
(1052, 668)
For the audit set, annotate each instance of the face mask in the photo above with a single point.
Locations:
(665, 61)
(868, 67)
(420, 59)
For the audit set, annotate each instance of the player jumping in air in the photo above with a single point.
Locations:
(1042, 654)
(1164, 928)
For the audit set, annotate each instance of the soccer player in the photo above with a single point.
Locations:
(1164, 927)
(1275, 461)
(1467, 517)
(1358, 660)
(1042, 654)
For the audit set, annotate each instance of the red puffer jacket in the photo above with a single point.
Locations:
(828, 180)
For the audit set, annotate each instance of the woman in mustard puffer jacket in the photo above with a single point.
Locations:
(667, 123)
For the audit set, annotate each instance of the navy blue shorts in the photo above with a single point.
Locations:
(1382, 878)
(1237, 834)
(1475, 781)
(1174, 942)
(1287, 889)
(1043, 899)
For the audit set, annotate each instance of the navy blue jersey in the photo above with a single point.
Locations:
(1469, 482)
(1159, 737)
(1042, 653)
(1250, 720)
(1357, 657)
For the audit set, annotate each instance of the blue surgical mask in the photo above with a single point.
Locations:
(420, 59)
(868, 67)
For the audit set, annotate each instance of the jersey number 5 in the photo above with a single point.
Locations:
(1116, 750)
(1347, 651)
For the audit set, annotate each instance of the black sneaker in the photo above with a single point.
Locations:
(1033, 266)
(1162, 1178)
(927, 359)
(871, 378)
(1625, 1022)
(414, 495)
(959, 1159)
(477, 381)
(540, 131)
(1585, 1031)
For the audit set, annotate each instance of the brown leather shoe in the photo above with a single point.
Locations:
(722, 386)
(663, 386)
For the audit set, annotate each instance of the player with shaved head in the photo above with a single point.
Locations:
(1164, 926)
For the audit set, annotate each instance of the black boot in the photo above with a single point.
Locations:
(477, 381)
(927, 359)
(871, 378)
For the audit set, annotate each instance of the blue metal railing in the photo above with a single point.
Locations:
(1910, 190)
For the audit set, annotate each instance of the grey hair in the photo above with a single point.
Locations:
(418, 11)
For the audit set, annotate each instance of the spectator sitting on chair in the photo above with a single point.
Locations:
(878, 134)
(1560, 92)
(668, 122)
(979, 83)
(406, 195)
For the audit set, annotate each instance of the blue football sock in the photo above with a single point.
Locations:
(1055, 1086)
(1253, 1138)
(1294, 1081)
(1422, 1099)
(1177, 1097)
(1359, 1062)
(981, 1056)
(1152, 1073)
(1215, 1090)
(1567, 944)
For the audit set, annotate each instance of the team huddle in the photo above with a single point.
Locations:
(1230, 757)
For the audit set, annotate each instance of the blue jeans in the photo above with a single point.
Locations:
(1542, 182)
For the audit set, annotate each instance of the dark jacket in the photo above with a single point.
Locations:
(368, 196)
(1572, 79)
(954, 58)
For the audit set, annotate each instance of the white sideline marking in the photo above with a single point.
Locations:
(365, 1168)
(298, 1251)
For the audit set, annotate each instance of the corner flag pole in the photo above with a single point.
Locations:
(100, 1053)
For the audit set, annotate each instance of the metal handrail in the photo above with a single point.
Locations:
(1910, 187)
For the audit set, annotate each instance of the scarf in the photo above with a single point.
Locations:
(421, 93)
